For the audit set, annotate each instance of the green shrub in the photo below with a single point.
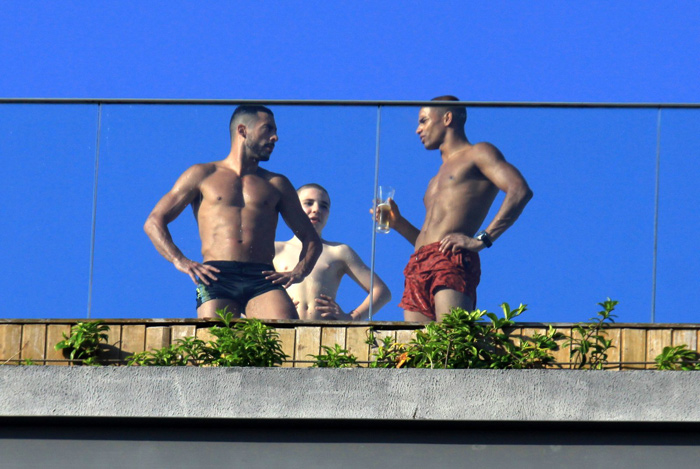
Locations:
(83, 344)
(464, 340)
(588, 346)
(185, 351)
(248, 342)
(336, 357)
(677, 358)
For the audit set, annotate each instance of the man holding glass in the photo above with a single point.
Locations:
(445, 269)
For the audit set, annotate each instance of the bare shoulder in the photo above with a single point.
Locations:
(340, 251)
(200, 170)
(486, 150)
(278, 180)
(193, 176)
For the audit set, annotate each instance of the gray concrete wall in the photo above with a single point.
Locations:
(285, 393)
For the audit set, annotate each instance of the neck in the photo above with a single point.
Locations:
(239, 160)
(454, 141)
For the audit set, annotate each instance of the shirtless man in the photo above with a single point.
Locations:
(315, 296)
(444, 270)
(236, 204)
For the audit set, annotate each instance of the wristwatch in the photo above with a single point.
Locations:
(485, 238)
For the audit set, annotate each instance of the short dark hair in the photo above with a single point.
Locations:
(313, 185)
(244, 113)
(459, 113)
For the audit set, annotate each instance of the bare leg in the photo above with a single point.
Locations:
(414, 316)
(208, 309)
(447, 299)
(274, 304)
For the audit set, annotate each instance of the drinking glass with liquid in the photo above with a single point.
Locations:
(383, 208)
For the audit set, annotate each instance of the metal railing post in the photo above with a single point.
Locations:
(94, 209)
(374, 219)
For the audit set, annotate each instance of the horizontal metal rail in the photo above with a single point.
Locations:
(372, 103)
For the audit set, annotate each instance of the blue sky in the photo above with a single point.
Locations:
(587, 235)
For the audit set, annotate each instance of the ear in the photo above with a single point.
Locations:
(447, 118)
(241, 130)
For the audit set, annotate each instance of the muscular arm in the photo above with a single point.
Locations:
(299, 223)
(505, 177)
(508, 179)
(168, 209)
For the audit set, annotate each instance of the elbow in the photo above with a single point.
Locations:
(523, 193)
(383, 294)
(151, 225)
(148, 225)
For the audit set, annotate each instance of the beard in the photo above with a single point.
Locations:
(260, 151)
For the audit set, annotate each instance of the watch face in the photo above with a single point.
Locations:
(484, 238)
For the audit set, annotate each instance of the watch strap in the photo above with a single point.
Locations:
(485, 238)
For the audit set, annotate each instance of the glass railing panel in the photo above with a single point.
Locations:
(146, 148)
(586, 235)
(48, 154)
(678, 268)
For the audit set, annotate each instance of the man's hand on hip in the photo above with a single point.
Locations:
(456, 241)
(196, 270)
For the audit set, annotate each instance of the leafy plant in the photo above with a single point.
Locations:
(678, 358)
(464, 340)
(248, 342)
(185, 351)
(590, 347)
(336, 357)
(245, 343)
(83, 343)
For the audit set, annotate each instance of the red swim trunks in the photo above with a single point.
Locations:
(430, 271)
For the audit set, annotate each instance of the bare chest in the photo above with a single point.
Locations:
(453, 179)
(227, 189)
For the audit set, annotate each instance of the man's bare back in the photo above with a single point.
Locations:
(315, 296)
(236, 204)
(457, 201)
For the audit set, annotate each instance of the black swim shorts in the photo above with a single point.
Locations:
(237, 281)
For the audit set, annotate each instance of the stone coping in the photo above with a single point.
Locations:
(354, 394)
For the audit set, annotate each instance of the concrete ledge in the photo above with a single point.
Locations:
(294, 393)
